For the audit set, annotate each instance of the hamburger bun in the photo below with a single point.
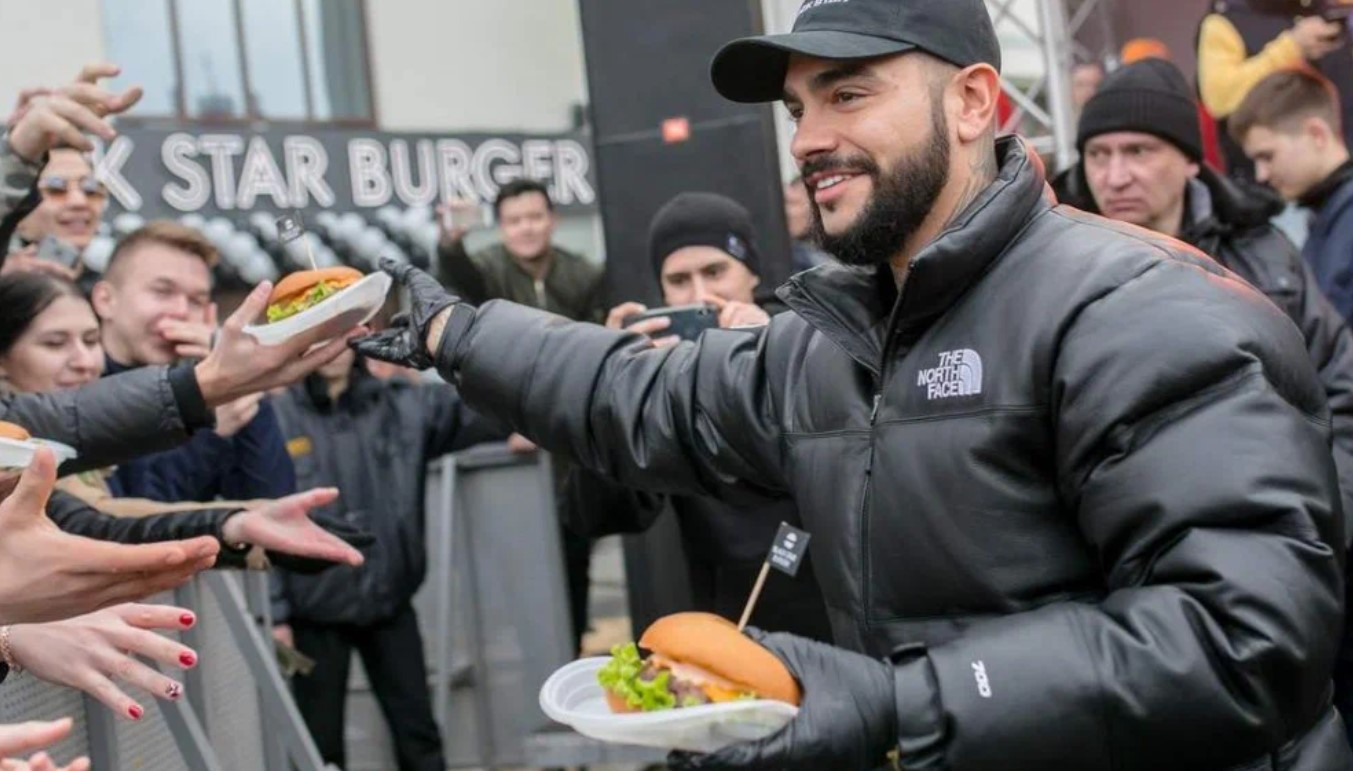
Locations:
(714, 643)
(14, 431)
(300, 282)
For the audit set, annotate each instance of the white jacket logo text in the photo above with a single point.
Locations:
(979, 673)
(959, 374)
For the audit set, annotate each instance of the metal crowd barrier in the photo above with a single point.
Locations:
(237, 712)
(495, 624)
(494, 618)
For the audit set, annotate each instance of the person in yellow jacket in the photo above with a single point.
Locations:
(1241, 42)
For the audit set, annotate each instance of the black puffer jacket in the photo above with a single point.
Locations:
(1231, 224)
(1082, 460)
(374, 445)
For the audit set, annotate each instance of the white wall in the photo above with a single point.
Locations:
(476, 64)
(45, 43)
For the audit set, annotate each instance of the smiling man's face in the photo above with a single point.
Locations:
(872, 141)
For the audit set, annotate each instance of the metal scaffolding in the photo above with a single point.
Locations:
(1066, 32)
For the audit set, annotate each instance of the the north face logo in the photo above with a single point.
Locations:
(959, 374)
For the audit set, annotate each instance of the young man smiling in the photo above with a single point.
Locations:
(1109, 539)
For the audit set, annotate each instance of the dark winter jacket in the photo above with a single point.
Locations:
(252, 464)
(1074, 478)
(374, 445)
(1329, 244)
(1231, 224)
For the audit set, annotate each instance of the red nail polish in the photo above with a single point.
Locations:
(187, 659)
(187, 619)
(135, 711)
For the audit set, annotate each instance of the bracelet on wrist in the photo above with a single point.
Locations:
(7, 651)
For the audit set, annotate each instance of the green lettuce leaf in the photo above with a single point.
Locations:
(320, 292)
(621, 677)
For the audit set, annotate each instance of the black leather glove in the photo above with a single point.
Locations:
(355, 537)
(405, 342)
(847, 721)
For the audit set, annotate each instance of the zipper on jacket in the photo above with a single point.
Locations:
(866, 591)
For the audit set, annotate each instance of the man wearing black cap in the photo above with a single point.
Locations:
(1069, 481)
(704, 250)
(1141, 162)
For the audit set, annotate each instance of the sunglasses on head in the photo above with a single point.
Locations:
(60, 187)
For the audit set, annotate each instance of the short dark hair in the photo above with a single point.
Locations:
(165, 233)
(24, 296)
(1285, 99)
(519, 187)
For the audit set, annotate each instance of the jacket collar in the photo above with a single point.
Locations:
(852, 305)
(1217, 208)
(1319, 195)
(113, 367)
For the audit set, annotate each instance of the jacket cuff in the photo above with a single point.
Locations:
(920, 718)
(192, 405)
(232, 556)
(448, 348)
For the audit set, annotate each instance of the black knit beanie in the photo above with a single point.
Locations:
(703, 219)
(1150, 96)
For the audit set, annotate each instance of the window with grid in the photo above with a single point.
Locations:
(242, 60)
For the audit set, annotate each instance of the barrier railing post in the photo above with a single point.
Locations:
(283, 719)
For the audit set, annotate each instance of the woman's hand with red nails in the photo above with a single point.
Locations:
(93, 651)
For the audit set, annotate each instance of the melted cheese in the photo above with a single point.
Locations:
(718, 689)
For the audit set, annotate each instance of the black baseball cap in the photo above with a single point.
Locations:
(960, 32)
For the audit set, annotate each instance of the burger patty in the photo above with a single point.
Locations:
(687, 694)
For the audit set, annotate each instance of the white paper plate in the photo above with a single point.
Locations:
(573, 697)
(15, 454)
(350, 307)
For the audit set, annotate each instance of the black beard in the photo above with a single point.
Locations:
(902, 200)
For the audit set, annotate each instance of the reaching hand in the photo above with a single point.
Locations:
(43, 762)
(285, 526)
(46, 575)
(18, 738)
(409, 341)
(848, 718)
(92, 651)
(49, 118)
(239, 365)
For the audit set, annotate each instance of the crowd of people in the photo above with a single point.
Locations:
(1076, 449)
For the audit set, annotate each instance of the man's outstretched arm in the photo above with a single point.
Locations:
(697, 418)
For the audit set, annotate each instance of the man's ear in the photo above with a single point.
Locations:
(103, 298)
(978, 89)
(1317, 131)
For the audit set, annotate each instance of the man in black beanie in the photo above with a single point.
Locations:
(704, 249)
(1141, 162)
